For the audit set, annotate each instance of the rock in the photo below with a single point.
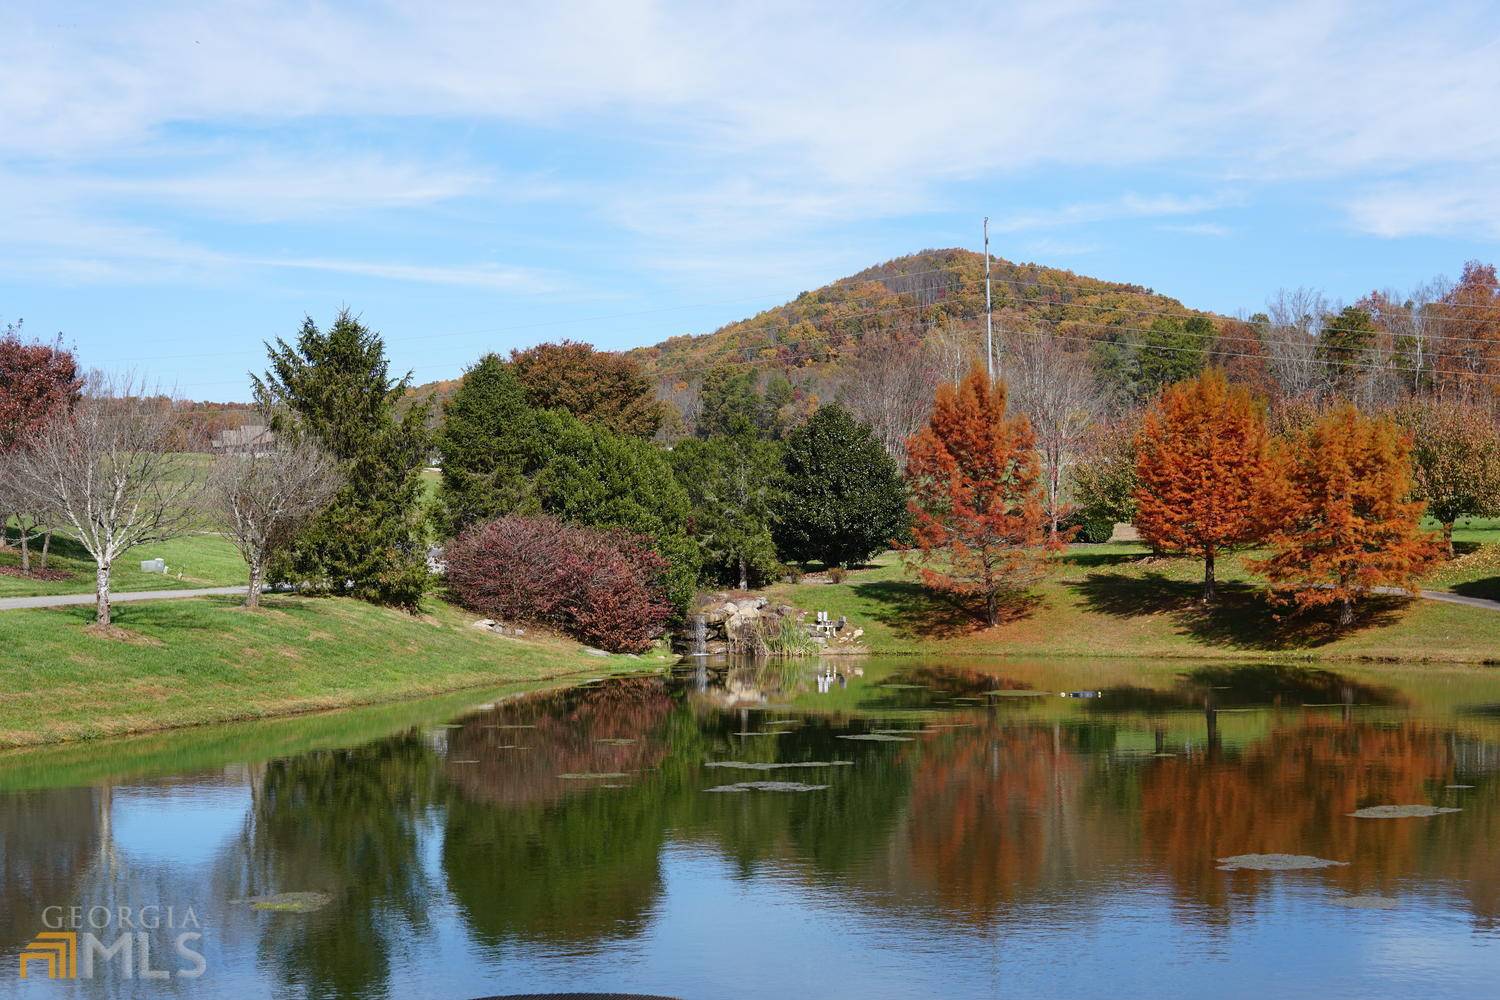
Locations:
(591, 651)
(484, 623)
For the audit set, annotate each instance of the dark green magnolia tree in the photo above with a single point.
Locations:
(486, 441)
(598, 387)
(336, 388)
(733, 485)
(584, 474)
(843, 498)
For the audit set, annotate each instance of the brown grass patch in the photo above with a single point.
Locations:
(117, 634)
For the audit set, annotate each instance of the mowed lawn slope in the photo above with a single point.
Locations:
(203, 660)
(197, 560)
(1118, 600)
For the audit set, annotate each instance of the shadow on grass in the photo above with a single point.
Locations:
(1242, 617)
(913, 611)
(1089, 559)
(1487, 588)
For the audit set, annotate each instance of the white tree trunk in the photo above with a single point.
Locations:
(101, 594)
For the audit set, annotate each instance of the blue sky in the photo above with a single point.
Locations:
(181, 181)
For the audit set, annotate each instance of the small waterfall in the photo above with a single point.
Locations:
(700, 636)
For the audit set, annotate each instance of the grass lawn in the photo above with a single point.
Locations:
(1117, 600)
(200, 560)
(205, 660)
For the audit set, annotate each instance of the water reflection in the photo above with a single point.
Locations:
(566, 840)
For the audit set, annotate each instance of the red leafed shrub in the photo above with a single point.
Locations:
(600, 587)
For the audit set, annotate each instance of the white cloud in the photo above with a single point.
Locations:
(1129, 206)
(491, 276)
(759, 124)
(1447, 207)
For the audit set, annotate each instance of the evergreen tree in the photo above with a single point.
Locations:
(1172, 350)
(732, 483)
(844, 499)
(485, 442)
(730, 403)
(586, 475)
(336, 387)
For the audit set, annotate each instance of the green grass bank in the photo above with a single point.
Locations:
(207, 660)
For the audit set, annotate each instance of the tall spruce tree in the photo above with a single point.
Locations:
(584, 474)
(734, 486)
(336, 387)
(486, 441)
(843, 499)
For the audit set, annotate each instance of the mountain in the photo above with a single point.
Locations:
(920, 295)
(934, 293)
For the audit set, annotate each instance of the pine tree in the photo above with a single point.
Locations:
(584, 474)
(1350, 527)
(485, 442)
(336, 388)
(733, 486)
(843, 499)
(978, 519)
(1207, 482)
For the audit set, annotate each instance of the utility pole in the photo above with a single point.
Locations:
(989, 322)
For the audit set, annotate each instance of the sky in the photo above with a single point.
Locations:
(180, 182)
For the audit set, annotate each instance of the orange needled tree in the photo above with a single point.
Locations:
(977, 513)
(1350, 526)
(1207, 481)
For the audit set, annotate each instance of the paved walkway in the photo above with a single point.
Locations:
(1444, 596)
(64, 600)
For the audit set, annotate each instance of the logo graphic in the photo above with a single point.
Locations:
(59, 949)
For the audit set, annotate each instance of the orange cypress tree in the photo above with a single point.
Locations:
(977, 514)
(1207, 482)
(1350, 526)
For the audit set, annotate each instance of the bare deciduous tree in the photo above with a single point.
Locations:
(890, 388)
(1291, 340)
(261, 498)
(107, 470)
(1057, 391)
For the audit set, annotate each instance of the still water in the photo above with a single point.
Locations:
(993, 838)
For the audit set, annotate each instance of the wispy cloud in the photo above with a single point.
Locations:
(1435, 207)
(1129, 206)
(508, 279)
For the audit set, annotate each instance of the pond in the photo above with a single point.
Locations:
(897, 828)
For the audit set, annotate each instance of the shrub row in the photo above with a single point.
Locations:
(601, 587)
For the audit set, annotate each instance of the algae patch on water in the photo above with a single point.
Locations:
(750, 765)
(1275, 863)
(589, 775)
(878, 738)
(767, 786)
(1365, 902)
(289, 902)
(1401, 812)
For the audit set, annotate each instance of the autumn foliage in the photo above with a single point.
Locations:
(601, 587)
(1207, 482)
(978, 519)
(1349, 525)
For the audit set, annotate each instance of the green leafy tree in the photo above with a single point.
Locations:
(1172, 350)
(732, 483)
(584, 474)
(1455, 460)
(486, 440)
(1346, 342)
(336, 388)
(730, 403)
(596, 386)
(844, 499)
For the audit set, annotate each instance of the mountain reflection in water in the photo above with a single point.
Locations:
(990, 838)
